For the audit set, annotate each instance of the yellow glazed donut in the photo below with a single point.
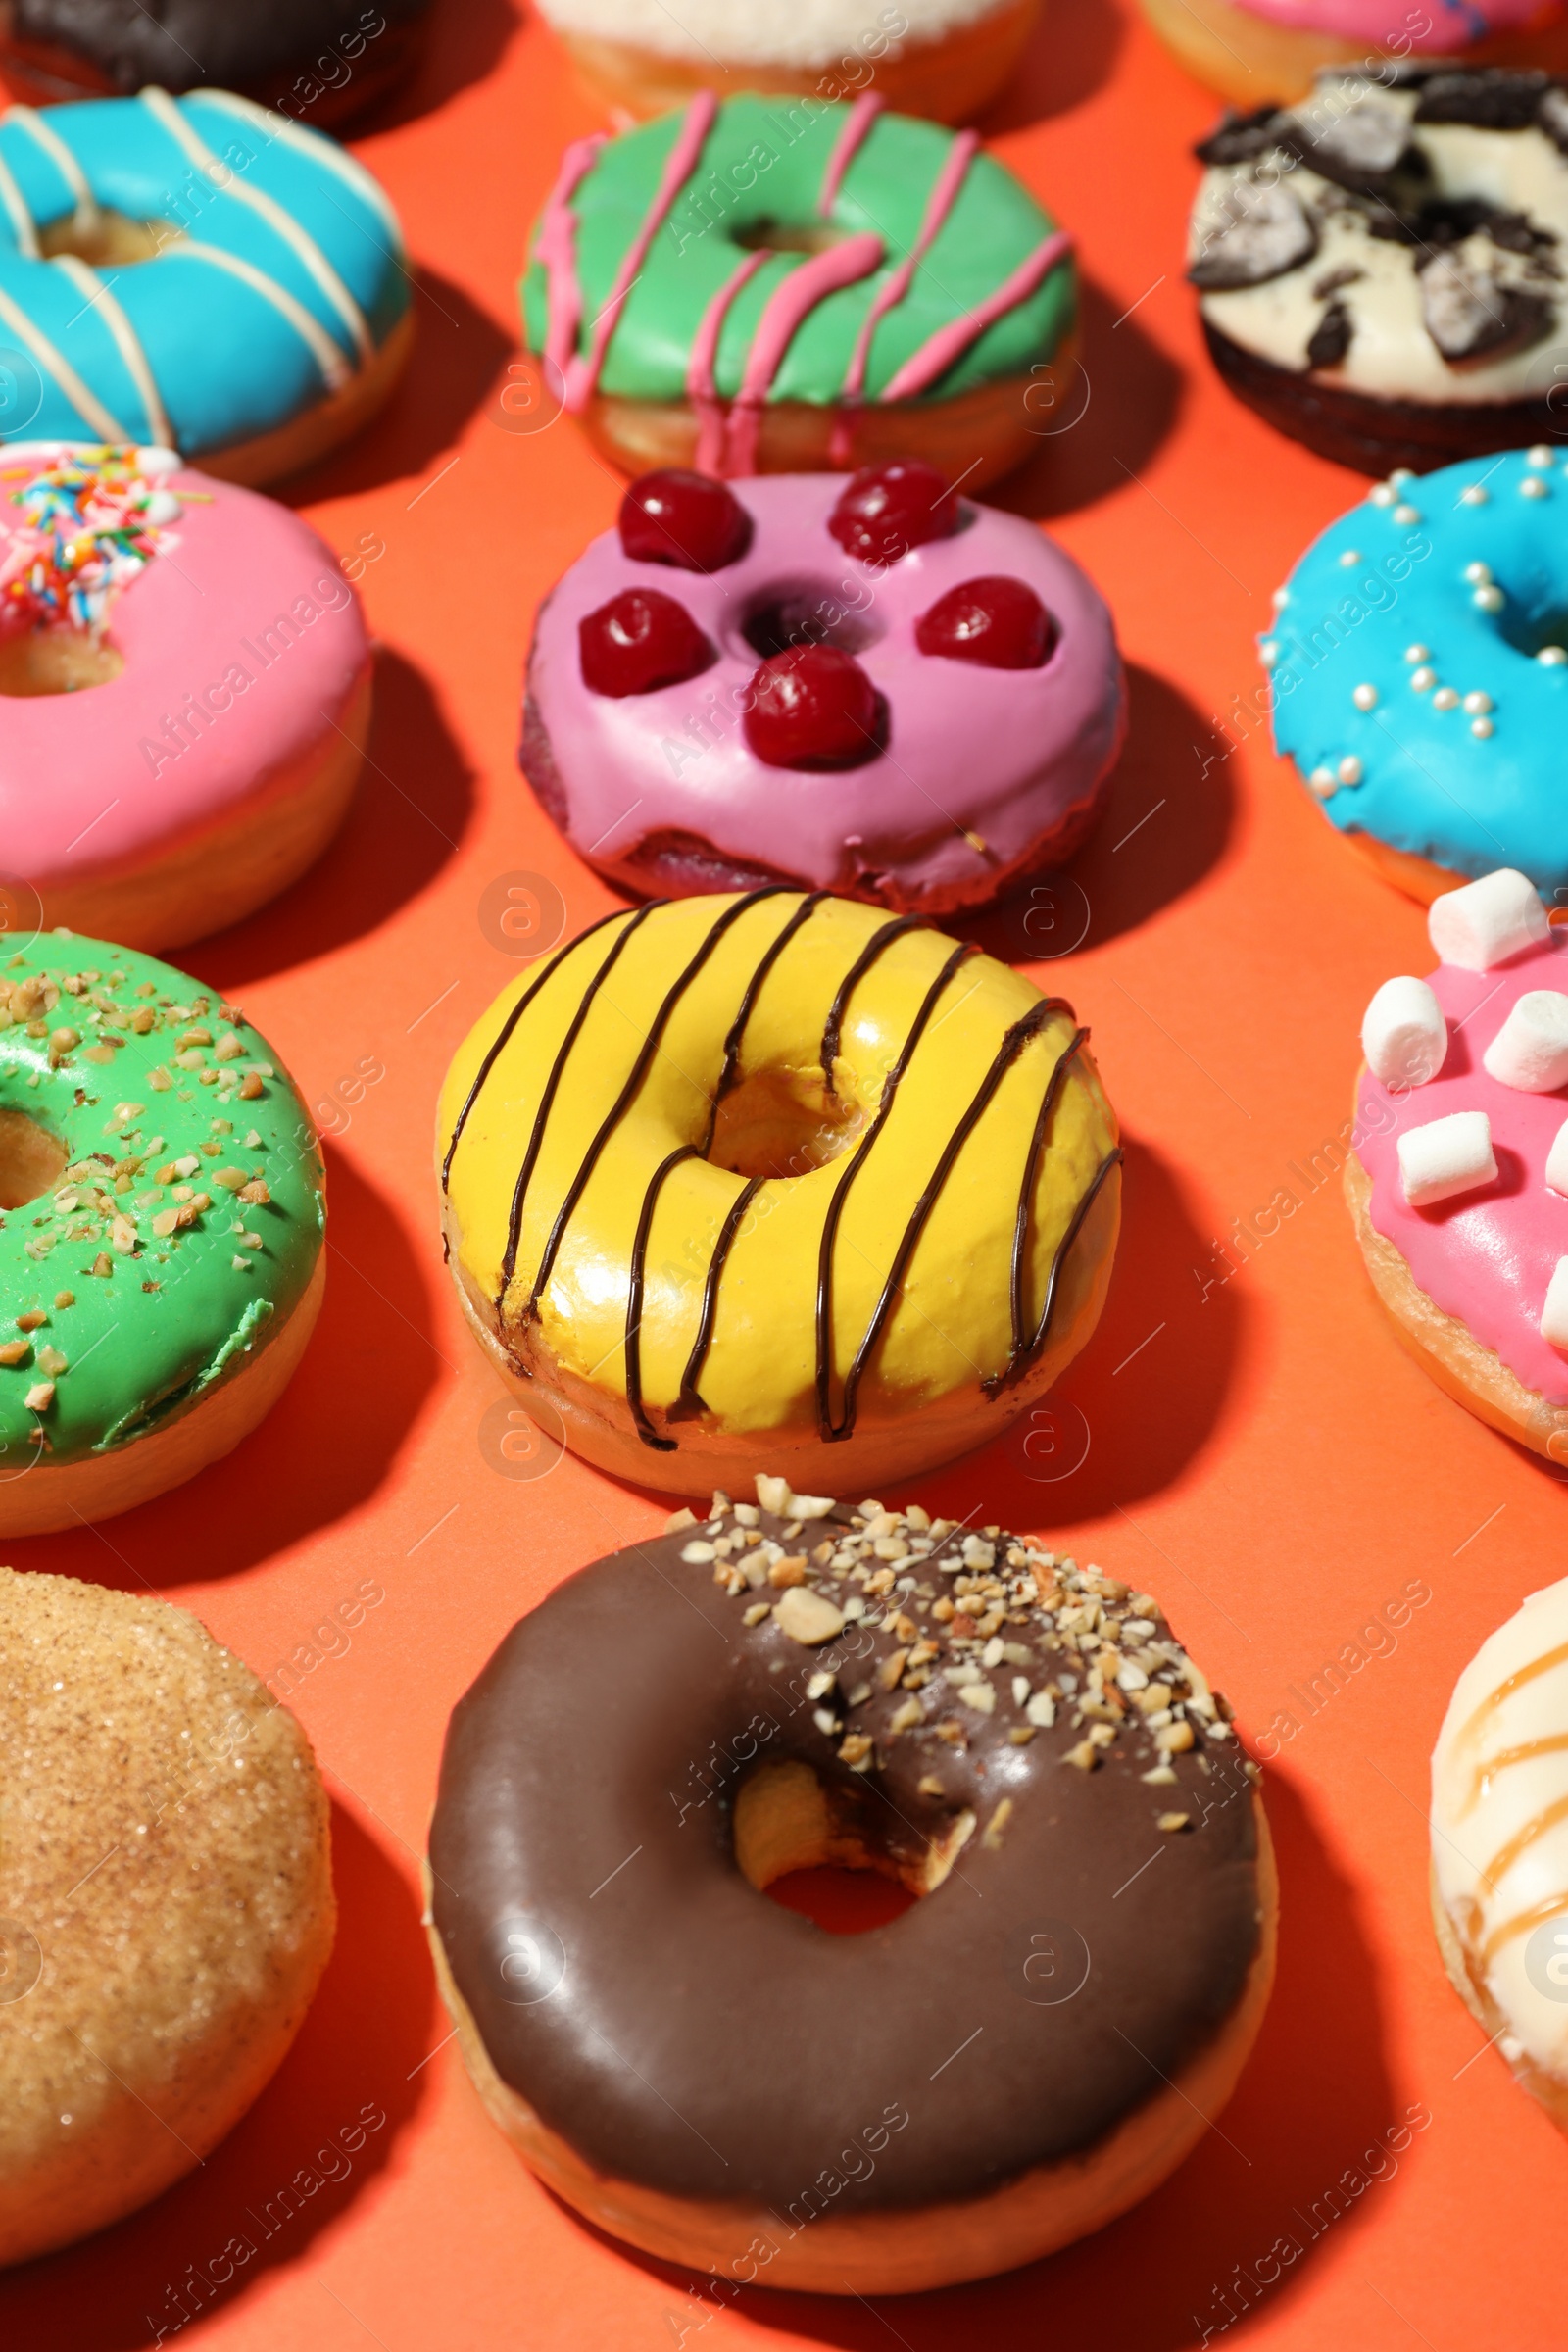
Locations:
(733, 1180)
(165, 1902)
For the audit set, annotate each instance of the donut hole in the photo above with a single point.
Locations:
(804, 613)
(816, 1849)
(31, 1159)
(106, 240)
(781, 1123)
(56, 661)
(788, 236)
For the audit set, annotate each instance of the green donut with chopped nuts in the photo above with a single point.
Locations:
(161, 1212)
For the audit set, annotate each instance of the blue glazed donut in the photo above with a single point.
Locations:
(193, 273)
(1419, 672)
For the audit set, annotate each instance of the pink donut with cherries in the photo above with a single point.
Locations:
(880, 689)
(187, 684)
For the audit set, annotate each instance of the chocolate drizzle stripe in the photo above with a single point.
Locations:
(1042, 1330)
(835, 1208)
(1007, 1053)
(519, 1191)
(639, 1070)
(688, 1400)
(502, 1036)
(874, 947)
(753, 989)
(634, 1296)
(1020, 1229)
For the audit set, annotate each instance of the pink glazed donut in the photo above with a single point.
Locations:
(188, 693)
(881, 690)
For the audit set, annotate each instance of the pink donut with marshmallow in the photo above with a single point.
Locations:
(882, 690)
(189, 684)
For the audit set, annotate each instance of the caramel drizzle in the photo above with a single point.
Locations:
(1025, 1345)
(1522, 1840)
(1523, 1922)
(1470, 1732)
(1475, 1723)
(1481, 1775)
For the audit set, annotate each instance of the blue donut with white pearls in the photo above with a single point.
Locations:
(1418, 667)
(272, 280)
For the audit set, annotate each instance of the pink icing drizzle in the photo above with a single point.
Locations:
(939, 204)
(701, 389)
(862, 114)
(790, 303)
(1485, 1257)
(583, 373)
(557, 251)
(939, 351)
(1449, 25)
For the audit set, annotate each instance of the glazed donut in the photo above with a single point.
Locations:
(156, 829)
(1252, 49)
(331, 59)
(943, 58)
(197, 274)
(1499, 1844)
(159, 1189)
(845, 631)
(1377, 269)
(674, 1223)
(782, 288)
(1458, 1179)
(934, 2103)
(1417, 680)
(168, 1898)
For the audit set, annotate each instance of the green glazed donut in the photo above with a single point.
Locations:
(782, 284)
(161, 1230)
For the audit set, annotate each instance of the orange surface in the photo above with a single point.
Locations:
(1260, 1449)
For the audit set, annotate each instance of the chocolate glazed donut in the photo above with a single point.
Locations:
(322, 62)
(1023, 2055)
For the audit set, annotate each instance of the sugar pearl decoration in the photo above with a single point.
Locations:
(1478, 574)
(1281, 598)
(1552, 656)
(1403, 1034)
(1540, 455)
(1418, 653)
(1423, 680)
(1557, 1160)
(1478, 704)
(1400, 476)
(1554, 1311)
(1447, 1156)
(1383, 495)
(1481, 728)
(1533, 487)
(1365, 698)
(1349, 556)
(1529, 1051)
(1446, 698)
(1324, 782)
(1475, 496)
(1488, 921)
(1489, 600)
(1407, 514)
(1348, 770)
(1268, 653)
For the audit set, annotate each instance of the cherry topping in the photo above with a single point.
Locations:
(813, 706)
(886, 509)
(996, 622)
(641, 639)
(683, 519)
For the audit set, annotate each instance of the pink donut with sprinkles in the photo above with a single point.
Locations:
(189, 684)
(1458, 1172)
(879, 689)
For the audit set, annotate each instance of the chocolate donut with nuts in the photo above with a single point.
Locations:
(1022, 1743)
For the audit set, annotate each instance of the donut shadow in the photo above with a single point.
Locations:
(291, 2168)
(464, 45)
(1072, 53)
(1134, 394)
(1170, 811)
(1315, 2097)
(323, 1449)
(409, 811)
(457, 352)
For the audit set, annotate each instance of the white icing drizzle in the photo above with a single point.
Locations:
(102, 420)
(43, 134)
(318, 150)
(21, 219)
(333, 366)
(127, 342)
(220, 175)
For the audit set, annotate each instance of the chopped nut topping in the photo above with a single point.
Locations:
(677, 1520)
(1171, 1821)
(16, 1352)
(998, 1824)
(856, 1751)
(1085, 1755)
(789, 1571)
(808, 1617)
(40, 1397)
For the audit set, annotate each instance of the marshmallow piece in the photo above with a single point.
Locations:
(1554, 1313)
(1529, 1051)
(1557, 1160)
(1447, 1156)
(154, 462)
(1404, 1036)
(1488, 921)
